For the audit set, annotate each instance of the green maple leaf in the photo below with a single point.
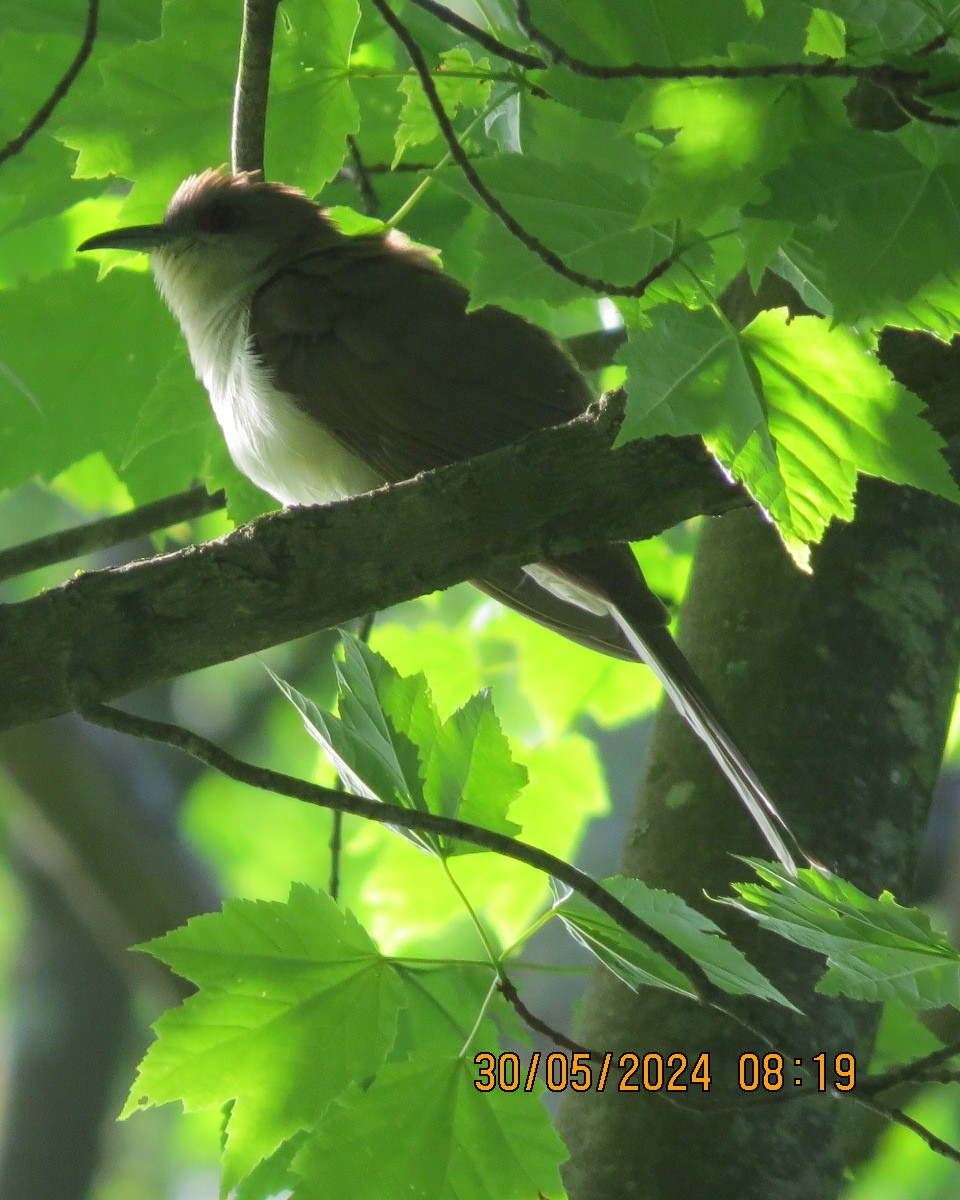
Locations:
(587, 216)
(877, 215)
(153, 91)
(794, 408)
(36, 182)
(637, 965)
(389, 744)
(901, 26)
(728, 135)
(295, 1004)
(55, 414)
(417, 125)
(876, 949)
(662, 32)
(453, 1141)
(469, 771)
(826, 34)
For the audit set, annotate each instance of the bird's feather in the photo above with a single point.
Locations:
(336, 363)
(378, 345)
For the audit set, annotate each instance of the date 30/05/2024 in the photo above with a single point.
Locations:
(678, 1072)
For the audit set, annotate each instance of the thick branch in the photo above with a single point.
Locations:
(557, 491)
(841, 688)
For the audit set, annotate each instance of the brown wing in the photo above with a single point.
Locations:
(377, 344)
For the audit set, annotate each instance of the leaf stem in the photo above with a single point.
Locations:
(495, 958)
(407, 73)
(528, 933)
(491, 992)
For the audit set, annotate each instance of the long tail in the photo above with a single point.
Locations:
(660, 652)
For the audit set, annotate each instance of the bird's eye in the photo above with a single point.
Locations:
(220, 218)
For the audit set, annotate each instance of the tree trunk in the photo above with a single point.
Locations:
(841, 686)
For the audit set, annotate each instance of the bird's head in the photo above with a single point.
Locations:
(221, 237)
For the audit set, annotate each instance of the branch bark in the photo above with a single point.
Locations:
(290, 573)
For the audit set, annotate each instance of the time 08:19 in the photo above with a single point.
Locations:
(820, 1073)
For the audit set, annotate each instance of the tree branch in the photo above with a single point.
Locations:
(416, 819)
(290, 573)
(480, 36)
(909, 1072)
(108, 531)
(899, 1117)
(253, 86)
(603, 287)
(66, 82)
(537, 1024)
(828, 69)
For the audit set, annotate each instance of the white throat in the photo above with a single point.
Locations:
(270, 439)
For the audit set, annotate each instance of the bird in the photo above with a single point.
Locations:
(336, 364)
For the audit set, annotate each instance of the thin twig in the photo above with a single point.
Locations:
(108, 531)
(253, 85)
(830, 68)
(899, 1117)
(935, 44)
(45, 111)
(922, 112)
(908, 1072)
(480, 74)
(945, 1075)
(941, 89)
(457, 153)
(532, 62)
(512, 996)
(406, 168)
(360, 175)
(269, 780)
(506, 986)
(888, 1112)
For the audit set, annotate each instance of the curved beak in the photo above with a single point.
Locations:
(134, 237)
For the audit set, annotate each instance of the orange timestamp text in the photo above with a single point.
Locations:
(654, 1072)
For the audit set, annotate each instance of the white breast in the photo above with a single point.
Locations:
(274, 442)
(271, 440)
